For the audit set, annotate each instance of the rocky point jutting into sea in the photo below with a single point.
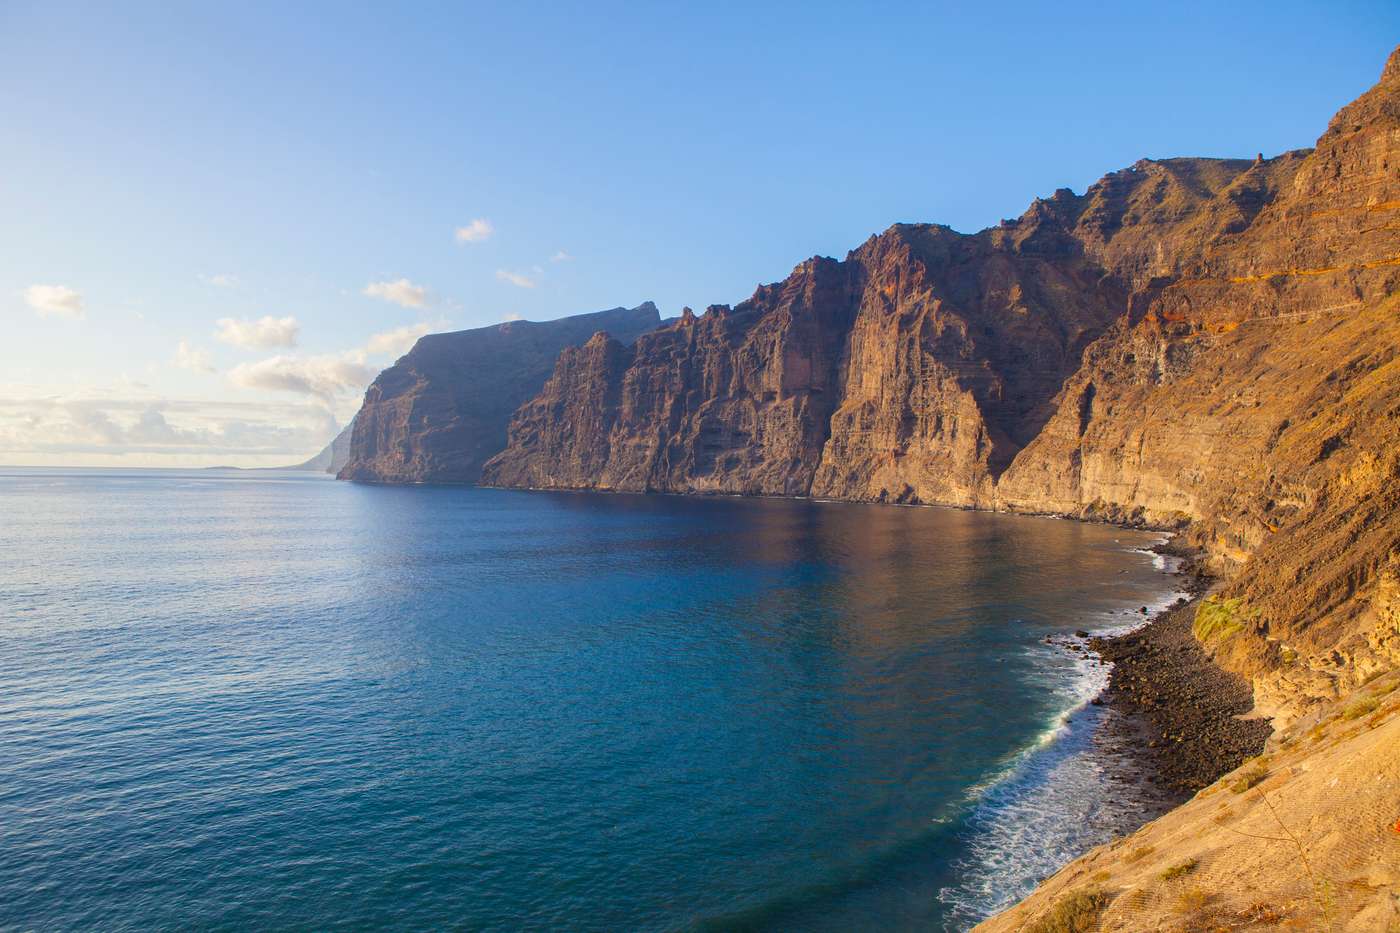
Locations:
(1202, 345)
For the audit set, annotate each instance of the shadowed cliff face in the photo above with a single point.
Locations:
(439, 412)
(1195, 341)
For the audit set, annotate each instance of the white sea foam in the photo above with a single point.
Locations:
(1059, 797)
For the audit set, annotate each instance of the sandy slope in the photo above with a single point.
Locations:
(1314, 845)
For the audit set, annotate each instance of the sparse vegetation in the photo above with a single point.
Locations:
(1256, 771)
(1218, 619)
(1362, 707)
(1191, 900)
(1264, 913)
(1138, 854)
(1180, 869)
(1076, 912)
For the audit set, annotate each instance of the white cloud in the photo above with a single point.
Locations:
(476, 231)
(397, 342)
(561, 256)
(193, 358)
(262, 334)
(58, 300)
(322, 377)
(402, 292)
(511, 317)
(79, 428)
(518, 279)
(221, 280)
(112, 425)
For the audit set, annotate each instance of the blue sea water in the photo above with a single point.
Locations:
(263, 699)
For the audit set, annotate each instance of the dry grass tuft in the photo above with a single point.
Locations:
(1250, 776)
(1179, 869)
(1191, 900)
(1363, 707)
(1263, 913)
(1138, 854)
(1076, 912)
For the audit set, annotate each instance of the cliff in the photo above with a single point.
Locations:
(1192, 343)
(916, 370)
(438, 413)
(1204, 345)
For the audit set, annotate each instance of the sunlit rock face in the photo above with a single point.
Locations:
(1208, 342)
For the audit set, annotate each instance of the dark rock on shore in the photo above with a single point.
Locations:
(1183, 709)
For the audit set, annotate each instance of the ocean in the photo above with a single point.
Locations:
(234, 699)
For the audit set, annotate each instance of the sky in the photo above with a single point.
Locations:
(218, 221)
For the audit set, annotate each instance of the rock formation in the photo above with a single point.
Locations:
(1192, 342)
(439, 412)
(1206, 345)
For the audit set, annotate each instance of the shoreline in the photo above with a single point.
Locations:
(1185, 717)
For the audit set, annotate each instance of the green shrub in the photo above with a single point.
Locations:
(1076, 912)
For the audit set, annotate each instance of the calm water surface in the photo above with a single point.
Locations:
(273, 700)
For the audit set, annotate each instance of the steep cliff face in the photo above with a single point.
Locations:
(1191, 342)
(736, 401)
(439, 412)
(915, 370)
(1259, 398)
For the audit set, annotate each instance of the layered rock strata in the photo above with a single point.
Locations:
(1192, 343)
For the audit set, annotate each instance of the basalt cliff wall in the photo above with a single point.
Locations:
(438, 413)
(1206, 344)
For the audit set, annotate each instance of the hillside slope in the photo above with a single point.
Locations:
(1306, 837)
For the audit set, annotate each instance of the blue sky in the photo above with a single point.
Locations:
(170, 167)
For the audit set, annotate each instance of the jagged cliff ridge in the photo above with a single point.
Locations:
(439, 412)
(916, 370)
(1195, 342)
